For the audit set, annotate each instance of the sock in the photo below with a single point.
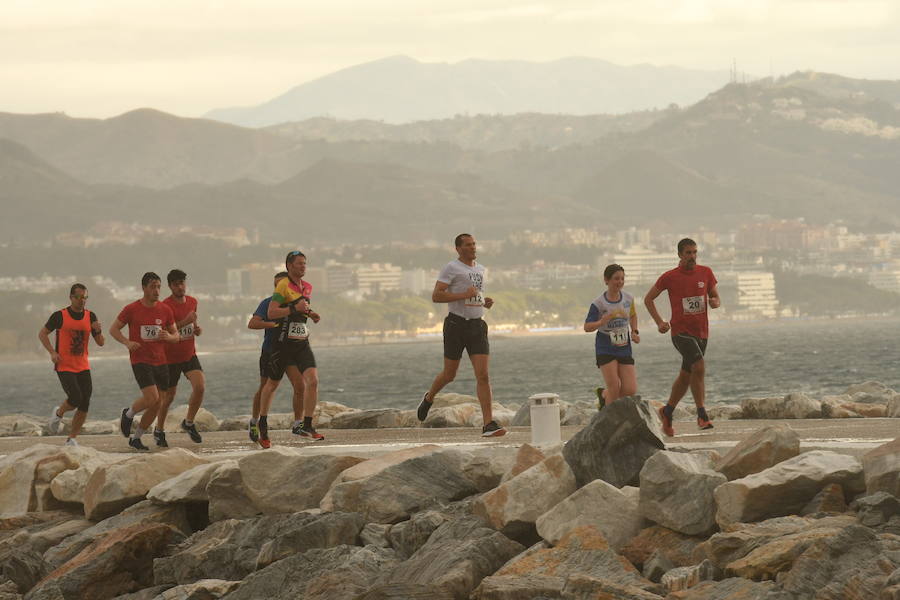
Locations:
(254, 421)
(130, 413)
(701, 412)
(138, 432)
(59, 416)
(307, 422)
(264, 426)
(157, 429)
(188, 423)
(668, 410)
(296, 423)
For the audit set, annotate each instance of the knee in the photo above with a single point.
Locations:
(200, 388)
(628, 389)
(698, 369)
(311, 383)
(483, 378)
(449, 375)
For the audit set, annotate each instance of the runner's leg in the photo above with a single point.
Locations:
(611, 380)
(198, 389)
(628, 377)
(310, 382)
(447, 375)
(256, 397)
(698, 382)
(297, 400)
(86, 386)
(162, 412)
(679, 387)
(149, 403)
(483, 385)
(77, 423)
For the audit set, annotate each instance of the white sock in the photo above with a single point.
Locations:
(254, 421)
(297, 423)
(138, 432)
(130, 413)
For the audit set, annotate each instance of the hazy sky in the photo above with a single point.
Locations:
(97, 58)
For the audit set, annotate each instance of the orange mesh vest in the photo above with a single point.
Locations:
(72, 342)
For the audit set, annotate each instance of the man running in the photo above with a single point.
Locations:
(150, 324)
(181, 357)
(292, 353)
(460, 284)
(70, 358)
(691, 287)
(260, 320)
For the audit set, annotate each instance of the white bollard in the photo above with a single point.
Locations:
(545, 419)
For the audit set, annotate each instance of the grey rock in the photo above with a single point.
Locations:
(486, 467)
(882, 467)
(22, 566)
(457, 556)
(855, 563)
(319, 574)
(831, 499)
(870, 392)
(876, 509)
(9, 591)
(406, 591)
(615, 444)
(375, 534)
(408, 536)
(792, 406)
(394, 493)
(174, 515)
(205, 589)
(760, 450)
(228, 496)
(321, 531)
(682, 578)
(369, 419)
(677, 492)
(585, 587)
(657, 566)
(149, 593)
(734, 587)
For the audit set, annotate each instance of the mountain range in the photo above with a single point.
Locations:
(810, 145)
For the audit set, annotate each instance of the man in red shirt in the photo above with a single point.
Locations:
(691, 288)
(181, 358)
(150, 325)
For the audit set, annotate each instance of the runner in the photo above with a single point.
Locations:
(614, 318)
(181, 358)
(291, 353)
(70, 358)
(150, 324)
(260, 320)
(460, 284)
(691, 287)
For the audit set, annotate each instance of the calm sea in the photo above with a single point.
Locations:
(749, 359)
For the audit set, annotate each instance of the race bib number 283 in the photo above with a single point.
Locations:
(298, 331)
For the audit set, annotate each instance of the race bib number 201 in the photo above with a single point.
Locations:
(150, 333)
(298, 331)
(693, 305)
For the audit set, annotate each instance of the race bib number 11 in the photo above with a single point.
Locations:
(619, 337)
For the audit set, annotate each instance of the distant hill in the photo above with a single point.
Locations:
(400, 89)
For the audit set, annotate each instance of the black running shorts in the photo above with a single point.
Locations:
(147, 375)
(461, 334)
(265, 358)
(288, 354)
(176, 369)
(691, 349)
(78, 388)
(603, 359)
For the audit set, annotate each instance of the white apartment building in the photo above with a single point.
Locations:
(886, 280)
(756, 292)
(641, 264)
(377, 277)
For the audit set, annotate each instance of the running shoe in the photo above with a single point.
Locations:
(137, 444)
(192, 431)
(601, 401)
(125, 423)
(160, 437)
(424, 407)
(667, 428)
(54, 422)
(310, 432)
(297, 429)
(71, 443)
(704, 423)
(265, 443)
(253, 430)
(492, 430)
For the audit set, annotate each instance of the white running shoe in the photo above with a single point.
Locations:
(71, 443)
(55, 422)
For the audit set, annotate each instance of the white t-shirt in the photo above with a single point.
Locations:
(461, 277)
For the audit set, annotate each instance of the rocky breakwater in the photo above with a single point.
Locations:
(611, 514)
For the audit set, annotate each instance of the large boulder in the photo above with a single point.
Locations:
(189, 486)
(787, 487)
(457, 556)
(870, 392)
(615, 444)
(882, 468)
(18, 476)
(892, 409)
(792, 406)
(677, 548)
(205, 420)
(527, 456)
(114, 487)
(318, 574)
(760, 450)
(143, 513)
(677, 492)
(545, 572)
(316, 531)
(613, 511)
(18, 425)
(733, 587)
(22, 566)
(514, 506)
(376, 418)
(118, 563)
(205, 589)
(393, 493)
(406, 537)
(853, 564)
(68, 487)
(326, 411)
(228, 496)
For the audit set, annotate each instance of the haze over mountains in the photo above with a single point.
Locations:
(400, 89)
(811, 145)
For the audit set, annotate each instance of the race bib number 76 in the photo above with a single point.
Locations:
(150, 333)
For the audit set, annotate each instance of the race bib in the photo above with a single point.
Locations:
(693, 305)
(187, 331)
(619, 336)
(297, 330)
(150, 333)
(476, 300)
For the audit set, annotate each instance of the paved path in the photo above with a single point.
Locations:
(848, 436)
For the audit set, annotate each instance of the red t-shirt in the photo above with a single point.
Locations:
(184, 350)
(688, 294)
(144, 324)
